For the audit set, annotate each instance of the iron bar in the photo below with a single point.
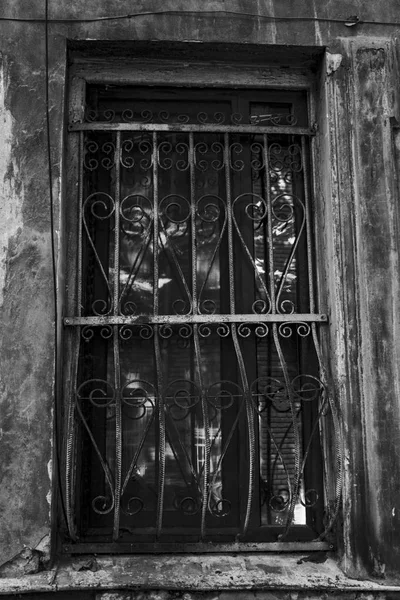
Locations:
(308, 225)
(80, 232)
(181, 319)
(196, 128)
(117, 374)
(157, 350)
(229, 212)
(269, 228)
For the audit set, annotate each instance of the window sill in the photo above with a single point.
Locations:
(200, 573)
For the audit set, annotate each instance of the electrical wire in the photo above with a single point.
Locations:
(53, 256)
(349, 21)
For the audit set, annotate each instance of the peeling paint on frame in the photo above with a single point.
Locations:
(10, 205)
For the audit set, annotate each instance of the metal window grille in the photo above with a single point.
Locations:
(196, 401)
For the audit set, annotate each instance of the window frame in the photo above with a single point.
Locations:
(147, 72)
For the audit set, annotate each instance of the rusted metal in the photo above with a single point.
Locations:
(179, 319)
(233, 257)
(194, 128)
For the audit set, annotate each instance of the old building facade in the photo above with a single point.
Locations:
(193, 169)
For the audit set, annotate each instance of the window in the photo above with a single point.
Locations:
(196, 406)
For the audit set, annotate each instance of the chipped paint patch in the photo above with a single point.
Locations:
(10, 205)
(333, 62)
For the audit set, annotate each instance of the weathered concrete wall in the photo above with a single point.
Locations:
(358, 187)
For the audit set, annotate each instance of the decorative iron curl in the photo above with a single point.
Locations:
(278, 502)
(108, 162)
(222, 398)
(109, 115)
(185, 331)
(100, 307)
(189, 506)
(238, 164)
(133, 209)
(183, 118)
(276, 157)
(91, 163)
(223, 330)
(139, 394)
(219, 118)
(307, 388)
(217, 148)
(202, 117)
(182, 395)
(208, 306)
(90, 115)
(273, 392)
(104, 509)
(106, 332)
(127, 115)
(99, 201)
(259, 307)
(244, 330)
(129, 308)
(261, 330)
(146, 332)
(87, 333)
(311, 498)
(236, 118)
(165, 331)
(166, 162)
(125, 333)
(285, 330)
(146, 115)
(287, 307)
(294, 158)
(182, 148)
(180, 307)
(127, 161)
(171, 209)
(208, 209)
(140, 506)
(146, 147)
(102, 395)
(303, 329)
(256, 209)
(257, 163)
(204, 330)
(202, 149)
(164, 116)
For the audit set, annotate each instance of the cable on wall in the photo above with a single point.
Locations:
(350, 21)
(53, 257)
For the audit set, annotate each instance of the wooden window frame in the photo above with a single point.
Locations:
(147, 72)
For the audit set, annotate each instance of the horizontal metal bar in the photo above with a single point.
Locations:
(195, 127)
(184, 319)
(127, 548)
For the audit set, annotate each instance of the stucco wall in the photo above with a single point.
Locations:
(357, 186)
